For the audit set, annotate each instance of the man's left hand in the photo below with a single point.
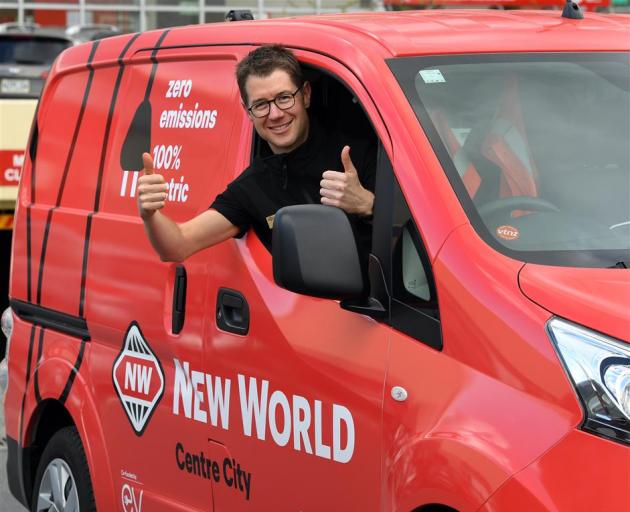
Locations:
(344, 190)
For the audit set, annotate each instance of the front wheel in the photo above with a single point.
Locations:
(63, 481)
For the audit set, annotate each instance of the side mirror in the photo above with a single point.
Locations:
(315, 252)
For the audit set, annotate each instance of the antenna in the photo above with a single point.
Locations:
(239, 15)
(572, 11)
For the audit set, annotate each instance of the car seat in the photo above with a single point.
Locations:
(465, 168)
(506, 145)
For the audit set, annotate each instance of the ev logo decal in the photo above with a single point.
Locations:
(131, 502)
(138, 378)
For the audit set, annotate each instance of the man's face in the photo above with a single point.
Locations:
(284, 130)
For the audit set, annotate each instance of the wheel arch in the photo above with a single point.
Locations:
(443, 483)
(434, 507)
(49, 417)
(56, 410)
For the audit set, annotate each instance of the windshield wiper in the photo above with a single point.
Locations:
(619, 264)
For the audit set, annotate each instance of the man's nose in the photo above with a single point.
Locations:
(274, 111)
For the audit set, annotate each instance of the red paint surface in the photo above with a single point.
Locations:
(490, 421)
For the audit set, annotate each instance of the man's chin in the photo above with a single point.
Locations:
(282, 145)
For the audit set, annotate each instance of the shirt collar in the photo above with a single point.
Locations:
(297, 160)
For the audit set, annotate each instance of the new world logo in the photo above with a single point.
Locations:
(138, 378)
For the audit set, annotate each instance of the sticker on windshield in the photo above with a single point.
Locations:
(508, 233)
(432, 76)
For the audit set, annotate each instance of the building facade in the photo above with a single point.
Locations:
(137, 15)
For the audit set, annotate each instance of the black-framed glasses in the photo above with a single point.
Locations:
(283, 101)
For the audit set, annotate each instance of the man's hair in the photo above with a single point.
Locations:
(265, 60)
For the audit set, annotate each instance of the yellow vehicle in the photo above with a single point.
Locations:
(16, 116)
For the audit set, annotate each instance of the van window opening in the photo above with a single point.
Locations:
(336, 109)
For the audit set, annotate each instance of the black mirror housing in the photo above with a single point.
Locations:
(315, 252)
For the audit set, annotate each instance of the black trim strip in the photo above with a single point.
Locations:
(84, 264)
(75, 135)
(40, 348)
(105, 146)
(55, 320)
(27, 380)
(155, 64)
(32, 151)
(75, 370)
(42, 256)
(29, 283)
(101, 168)
(110, 117)
(77, 127)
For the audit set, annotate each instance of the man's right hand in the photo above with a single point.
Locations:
(152, 189)
(173, 241)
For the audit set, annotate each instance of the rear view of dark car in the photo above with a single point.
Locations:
(25, 58)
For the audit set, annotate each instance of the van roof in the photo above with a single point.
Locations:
(443, 31)
(472, 31)
(390, 34)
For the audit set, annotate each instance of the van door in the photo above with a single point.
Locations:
(146, 316)
(294, 384)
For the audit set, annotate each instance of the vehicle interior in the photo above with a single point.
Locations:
(536, 139)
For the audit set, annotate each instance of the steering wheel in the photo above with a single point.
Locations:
(510, 204)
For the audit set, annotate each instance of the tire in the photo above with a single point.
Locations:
(64, 462)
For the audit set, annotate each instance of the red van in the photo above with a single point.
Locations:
(479, 360)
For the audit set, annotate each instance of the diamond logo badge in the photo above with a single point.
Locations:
(138, 378)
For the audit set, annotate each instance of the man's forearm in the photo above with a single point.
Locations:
(165, 237)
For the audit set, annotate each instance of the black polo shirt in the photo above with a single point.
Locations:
(274, 181)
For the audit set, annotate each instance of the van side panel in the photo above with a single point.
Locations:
(75, 195)
(77, 190)
(41, 180)
(189, 106)
(56, 198)
(58, 120)
(65, 142)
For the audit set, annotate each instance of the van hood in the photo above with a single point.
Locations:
(592, 297)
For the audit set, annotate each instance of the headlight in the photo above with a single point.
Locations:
(599, 367)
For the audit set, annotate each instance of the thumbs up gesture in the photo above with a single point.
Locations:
(344, 190)
(152, 189)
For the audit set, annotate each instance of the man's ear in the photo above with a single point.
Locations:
(306, 91)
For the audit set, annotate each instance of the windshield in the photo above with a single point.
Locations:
(39, 51)
(537, 148)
